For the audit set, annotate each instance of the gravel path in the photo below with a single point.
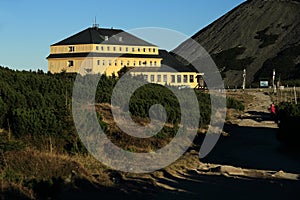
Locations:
(257, 112)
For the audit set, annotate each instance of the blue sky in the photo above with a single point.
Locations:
(29, 27)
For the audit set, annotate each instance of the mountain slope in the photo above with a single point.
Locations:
(257, 35)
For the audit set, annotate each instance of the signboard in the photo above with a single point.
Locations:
(264, 83)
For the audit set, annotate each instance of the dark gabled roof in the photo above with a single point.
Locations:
(171, 61)
(92, 54)
(95, 35)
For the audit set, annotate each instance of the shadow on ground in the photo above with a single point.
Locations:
(254, 147)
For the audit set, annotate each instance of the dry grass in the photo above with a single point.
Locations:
(244, 97)
(125, 141)
(20, 169)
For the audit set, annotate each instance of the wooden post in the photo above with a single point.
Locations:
(295, 95)
(244, 79)
(273, 81)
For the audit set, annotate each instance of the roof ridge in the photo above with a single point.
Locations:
(95, 35)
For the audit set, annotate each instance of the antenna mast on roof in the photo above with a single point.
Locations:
(95, 23)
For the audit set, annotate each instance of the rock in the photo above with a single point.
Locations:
(225, 169)
(284, 175)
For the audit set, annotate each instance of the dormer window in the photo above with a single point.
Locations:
(70, 63)
(120, 39)
(106, 38)
(71, 48)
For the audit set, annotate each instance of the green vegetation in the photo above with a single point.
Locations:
(232, 103)
(38, 139)
(36, 107)
(289, 118)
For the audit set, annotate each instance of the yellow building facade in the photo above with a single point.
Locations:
(106, 51)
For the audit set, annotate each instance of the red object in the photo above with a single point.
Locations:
(273, 110)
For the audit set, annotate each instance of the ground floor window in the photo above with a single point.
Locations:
(152, 78)
(178, 78)
(165, 78)
(172, 78)
(185, 78)
(192, 78)
(158, 78)
(145, 77)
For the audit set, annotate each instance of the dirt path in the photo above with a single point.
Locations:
(252, 143)
(256, 112)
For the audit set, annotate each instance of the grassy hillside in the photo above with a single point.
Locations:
(41, 155)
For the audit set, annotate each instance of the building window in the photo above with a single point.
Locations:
(109, 62)
(71, 48)
(159, 78)
(139, 49)
(120, 39)
(144, 49)
(132, 49)
(145, 63)
(178, 78)
(106, 38)
(165, 78)
(103, 62)
(122, 63)
(172, 78)
(134, 63)
(150, 63)
(149, 49)
(70, 63)
(140, 63)
(126, 49)
(154, 63)
(98, 62)
(116, 62)
(97, 48)
(108, 48)
(191, 78)
(152, 78)
(128, 63)
(114, 48)
(145, 77)
(102, 48)
(185, 78)
(153, 49)
(120, 49)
